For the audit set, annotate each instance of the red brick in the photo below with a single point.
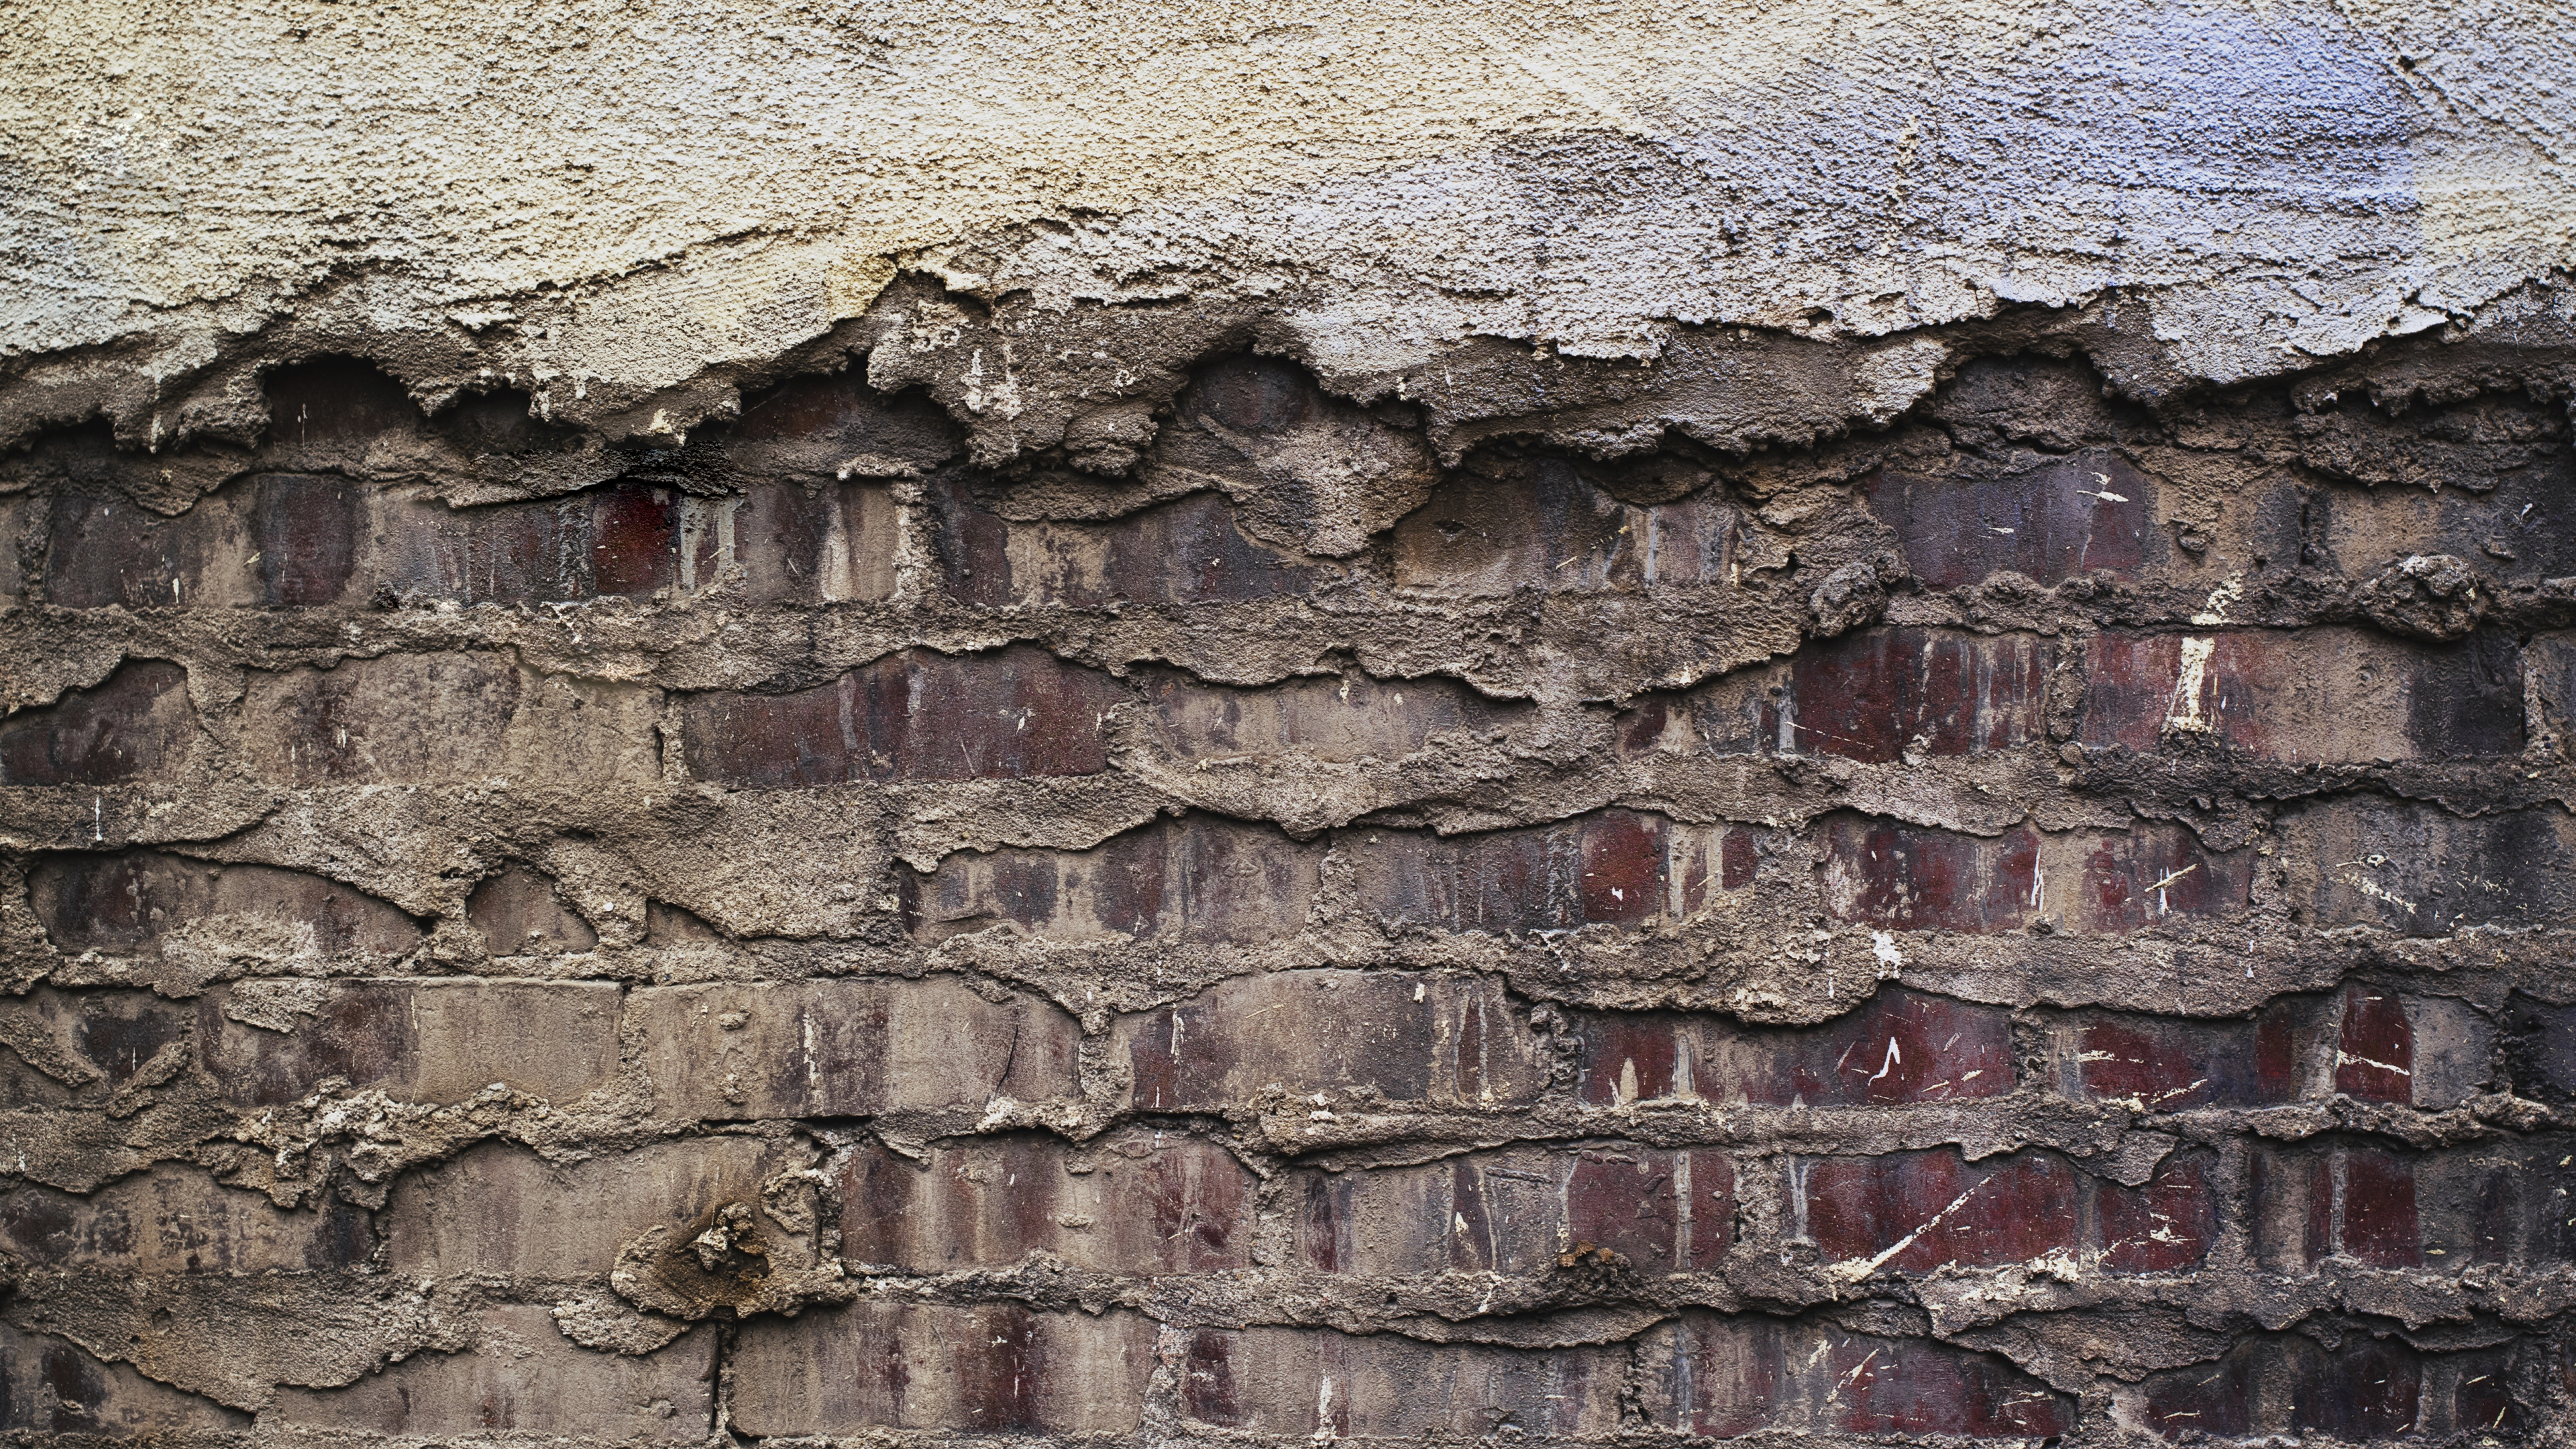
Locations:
(1538, 525)
(1515, 1211)
(1200, 878)
(1876, 696)
(1188, 551)
(2321, 695)
(136, 726)
(178, 1220)
(919, 715)
(1294, 1383)
(1903, 1046)
(2432, 1052)
(526, 1378)
(2390, 1209)
(1902, 877)
(1614, 867)
(847, 1047)
(2420, 871)
(1402, 1036)
(1918, 1212)
(521, 913)
(998, 1369)
(2049, 523)
(1723, 1377)
(1137, 1202)
(130, 903)
(423, 1040)
(501, 1209)
(49, 1388)
(2361, 1390)
(447, 718)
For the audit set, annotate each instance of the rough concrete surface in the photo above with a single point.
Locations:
(1060, 723)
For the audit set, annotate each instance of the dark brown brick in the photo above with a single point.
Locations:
(2323, 695)
(1615, 867)
(1903, 877)
(422, 1040)
(50, 1389)
(1137, 1202)
(521, 913)
(2063, 518)
(1200, 878)
(998, 1369)
(135, 727)
(1877, 696)
(2362, 1389)
(2420, 871)
(1188, 551)
(525, 1379)
(501, 1209)
(1403, 1036)
(1903, 1046)
(179, 1220)
(847, 1047)
(1539, 525)
(1010, 714)
(2387, 1208)
(1295, 1383)
(2432, 1052)
(96, 1038)
(133, 902)
(1920, 1212)
(1516, 1211)
(447, 718)
(1722, 1376)
(2542, 1040)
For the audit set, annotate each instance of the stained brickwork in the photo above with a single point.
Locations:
(1297, 916)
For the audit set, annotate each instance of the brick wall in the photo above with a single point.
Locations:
(1289, 917)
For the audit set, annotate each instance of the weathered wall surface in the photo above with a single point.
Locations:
(764, 726)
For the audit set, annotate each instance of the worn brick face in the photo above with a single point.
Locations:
(2072, 516)
(1296, 1383)
(1903, 1046)
(848, 1047)
(996, 1369)
(1515, 1212)
(1188, 551)
(525, 1378)
(1196, 879)
(179, 1220)
(135, 727)
(1143, 1202)
(1542, 527)
(2388, 1208)
(1401, 1036)
(2314, 696)
(422, 719)
(134, 902)
(1876, 696)
(52, 1390)
(2418, 870)
(2362, 1389)
(1726, 1376)
(501, 1209)
(1619, 867)
(422, 1040)
(2364, 1042)
(1011, 714)
(1903, 877)
(1916, 1212)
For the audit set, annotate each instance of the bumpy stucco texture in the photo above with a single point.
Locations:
(1066, 725)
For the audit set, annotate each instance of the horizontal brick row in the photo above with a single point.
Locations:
(856, 1046)
(2358, 1389)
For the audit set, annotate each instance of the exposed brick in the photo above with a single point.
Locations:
(1725, 1376)
(835, 427)
(137, 726)
(104, 1038)
(2364, 1042)
(447, 718)
(14, 513)
(525, 1378)
(918, 715)
(432, 1040)
(1613, 867)
(275, 539)
(2314, 696)
(1340, 720)
(179, 1220)
(847, 1047)
(1201, 878)
(1299, 1382)
(1876, 696)
(1403, 1036)
(2445, 1210)
(501, 1209)
(1138, 1202)
(50, 1388)
(1918, 1212)
(1188, 551)
(1539, 525)
(2542, 1040)
(2050, 523)
(1903, 1046)
(1903, 877)
(999, 1369)
(133, 902)
(520, 913)
(1515, 1211)
(2362, 1389)
(2421, 871)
